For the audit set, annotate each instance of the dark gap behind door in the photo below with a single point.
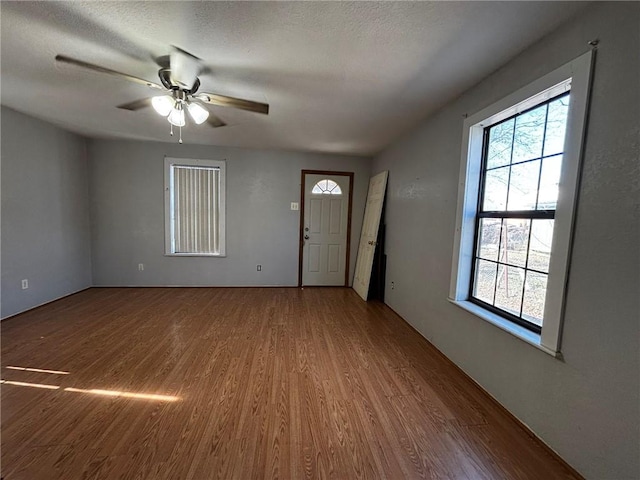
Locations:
(376, 287)
(379, 266)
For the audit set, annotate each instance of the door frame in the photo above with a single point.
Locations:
(347, 268)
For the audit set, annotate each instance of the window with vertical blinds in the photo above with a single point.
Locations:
(194, 207)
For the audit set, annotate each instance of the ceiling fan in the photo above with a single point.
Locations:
(179, 83)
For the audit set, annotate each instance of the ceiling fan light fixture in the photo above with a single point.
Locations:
(179, 83)
(198, 113)
(176, 117)
(163, 104)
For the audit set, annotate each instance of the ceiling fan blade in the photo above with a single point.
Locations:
(97, 68)
(214, 121)
(136, 104)
(224, 101)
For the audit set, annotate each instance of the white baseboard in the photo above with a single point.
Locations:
(45, 303)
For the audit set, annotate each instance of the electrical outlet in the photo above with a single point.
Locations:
(259, 268)
(25, 284)
(393, 286)
(140, 267)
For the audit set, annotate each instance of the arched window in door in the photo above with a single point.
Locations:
(326, 187)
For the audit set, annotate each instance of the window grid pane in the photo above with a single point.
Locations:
(489, 238)
(485, 281)
(534, 296)
(523, 185)
(509, 285)
(515, 239)
(549, 183)
(500, 144)
(516, 214)
(528, 137)
(496, 189)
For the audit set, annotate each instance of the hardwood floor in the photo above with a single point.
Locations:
(248, 383)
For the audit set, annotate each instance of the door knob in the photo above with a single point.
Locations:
(306, 237)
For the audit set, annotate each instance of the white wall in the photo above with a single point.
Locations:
(586, 407)
(45, 213)
(127, 214)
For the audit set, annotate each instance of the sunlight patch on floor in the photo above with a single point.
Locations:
(39, 370)
(95, 391)
(29, 384)
(116, 393)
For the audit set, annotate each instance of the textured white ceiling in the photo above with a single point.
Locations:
(343, 77)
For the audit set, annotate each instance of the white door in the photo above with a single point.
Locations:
(369, 235)
(325, 222)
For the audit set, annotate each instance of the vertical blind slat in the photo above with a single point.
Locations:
(175, 214)
(192, 221)
(181, 209)
(208, 190)
(216, 209)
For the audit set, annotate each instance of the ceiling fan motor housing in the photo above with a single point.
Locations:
(185, 68)
(170, 84)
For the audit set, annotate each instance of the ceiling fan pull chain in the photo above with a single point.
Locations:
(171, 131)
(180, 141)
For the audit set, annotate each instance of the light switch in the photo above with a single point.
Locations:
(294, 206)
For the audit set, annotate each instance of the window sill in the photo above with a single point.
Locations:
(520, 332)
(215, 255)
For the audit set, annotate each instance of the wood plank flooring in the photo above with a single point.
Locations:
(208, 383)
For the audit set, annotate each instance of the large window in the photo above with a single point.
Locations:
(521, 164)
(518, 184)
(194, 207)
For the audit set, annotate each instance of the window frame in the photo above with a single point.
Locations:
(578, 74)
(506, 214)
(169, 163)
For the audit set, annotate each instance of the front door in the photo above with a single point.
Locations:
(325, 222)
